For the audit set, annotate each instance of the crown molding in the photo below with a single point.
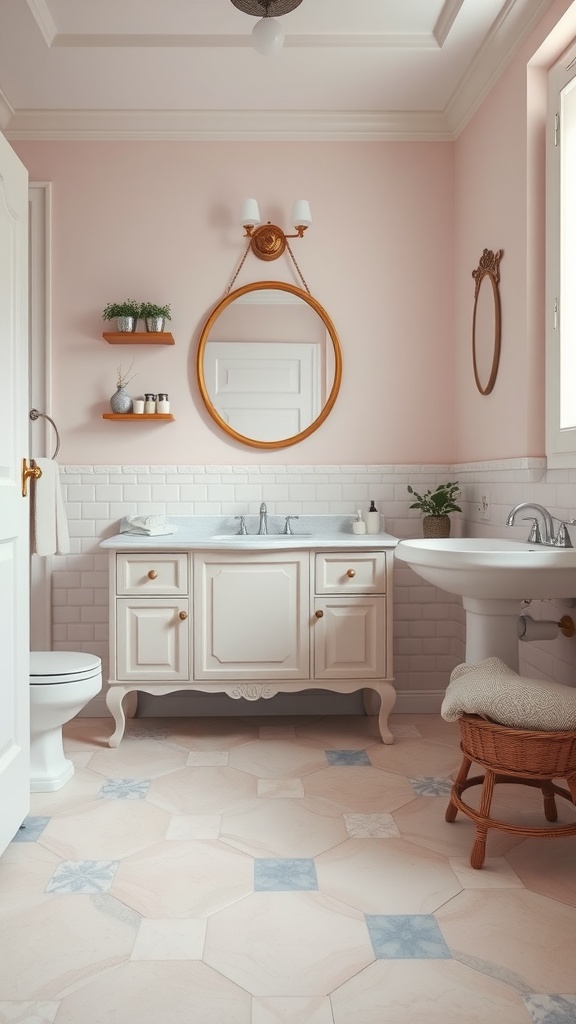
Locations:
(227, 125)
(509, 31)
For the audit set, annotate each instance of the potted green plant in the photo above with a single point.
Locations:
(154, 316)
(436, 506)
(125, 314)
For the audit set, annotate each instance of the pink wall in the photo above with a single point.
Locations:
(398, 229)
(500, 204)
(158, 222)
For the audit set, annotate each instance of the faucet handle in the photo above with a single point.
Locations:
(287, 527)
(242, 530)
(535, 535)
(562, 539)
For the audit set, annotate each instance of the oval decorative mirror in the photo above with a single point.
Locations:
(486, 321)
(269, 364)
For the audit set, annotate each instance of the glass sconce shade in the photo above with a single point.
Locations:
(267, 36)
(301, 216)
(250, 213)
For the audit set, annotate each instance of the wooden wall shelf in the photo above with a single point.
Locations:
(137, 416)
(139, 338)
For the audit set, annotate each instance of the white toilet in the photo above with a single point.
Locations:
(61, 684)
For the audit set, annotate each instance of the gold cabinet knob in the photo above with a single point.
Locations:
(351, 573)
(152, 574)
(319, 613)
(182, 615)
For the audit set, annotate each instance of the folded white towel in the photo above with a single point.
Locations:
(49, 526)
(493, 690)
(146, 526)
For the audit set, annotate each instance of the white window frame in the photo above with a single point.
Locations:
(560, 443)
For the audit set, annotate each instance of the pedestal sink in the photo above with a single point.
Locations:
(492, 577)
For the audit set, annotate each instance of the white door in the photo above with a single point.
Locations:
(263, 391)
(14, 509)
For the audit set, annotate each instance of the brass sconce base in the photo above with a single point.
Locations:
(268, 242)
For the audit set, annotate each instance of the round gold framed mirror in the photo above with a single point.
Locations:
(269, 364)
(486, 321)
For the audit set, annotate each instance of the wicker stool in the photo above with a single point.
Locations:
(512, 755)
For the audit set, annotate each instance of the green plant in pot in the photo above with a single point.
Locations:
(125, 314)
(154, 316)
(436, 506)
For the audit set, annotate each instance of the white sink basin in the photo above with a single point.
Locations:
(492, 577)
(264, 538)
(492, 569)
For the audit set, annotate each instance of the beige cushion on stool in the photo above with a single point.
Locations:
(492, 689)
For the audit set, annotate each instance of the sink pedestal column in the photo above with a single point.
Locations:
(492, 630)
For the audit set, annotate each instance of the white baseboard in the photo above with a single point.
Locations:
(418, 702)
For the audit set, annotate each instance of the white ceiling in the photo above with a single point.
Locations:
(176, 69)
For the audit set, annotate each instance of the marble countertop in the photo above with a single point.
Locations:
(210, 533)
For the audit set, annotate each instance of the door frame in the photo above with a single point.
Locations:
(41, 434)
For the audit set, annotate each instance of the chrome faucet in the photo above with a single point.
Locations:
(542, 533)
(263, 528)
(537, 535)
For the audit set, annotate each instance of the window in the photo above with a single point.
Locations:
(561, 264)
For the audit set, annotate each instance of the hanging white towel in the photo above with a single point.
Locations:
(49, 526)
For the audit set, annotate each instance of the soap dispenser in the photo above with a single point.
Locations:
(359, 526)
(372, 519)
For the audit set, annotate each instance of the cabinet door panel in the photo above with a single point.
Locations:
(354, 573)
(349, 638)
(153, 641)
(253, 620)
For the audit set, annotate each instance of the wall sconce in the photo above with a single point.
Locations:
(268, 241)
(267, 34)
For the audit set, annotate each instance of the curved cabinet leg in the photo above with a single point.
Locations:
(130, 704)
(114, 702)
(387, 695)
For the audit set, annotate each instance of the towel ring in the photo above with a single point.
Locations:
(34, 414)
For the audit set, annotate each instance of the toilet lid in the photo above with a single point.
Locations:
(58, 666)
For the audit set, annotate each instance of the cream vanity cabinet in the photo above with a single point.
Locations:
(350, 612)
(250, 624)
(152, 617)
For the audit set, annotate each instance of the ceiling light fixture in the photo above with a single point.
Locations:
(268, 241)
(267, 34)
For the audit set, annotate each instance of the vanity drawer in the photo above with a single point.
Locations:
(149, 575)
(358, 572)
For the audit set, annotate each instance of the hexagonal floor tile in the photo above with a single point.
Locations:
(135, 759)
(284, 828)
(61, 941)
(177, 992)
(517, 931)
(434, 991)
(204, 791)
(183, 878)
(547, 867)
(99, 832)
(293, 943)
(359, 789)
(423, 823)
(277, 759)
(386, 876)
